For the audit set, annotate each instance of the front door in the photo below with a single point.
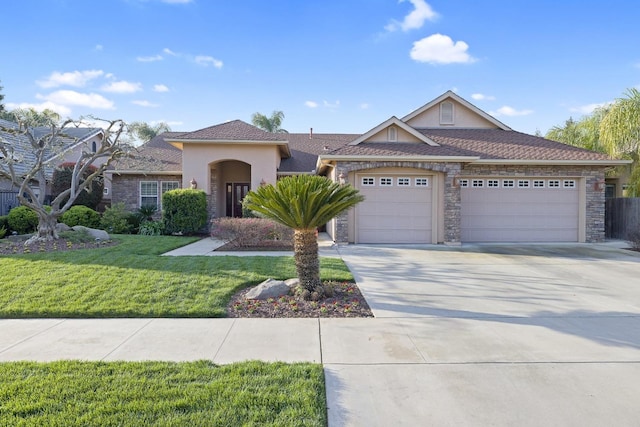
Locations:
(235, 193)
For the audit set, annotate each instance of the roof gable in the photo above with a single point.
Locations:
(466, 115)
(414, 136)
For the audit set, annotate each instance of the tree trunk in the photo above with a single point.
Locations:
(46, 229)
(305, 248)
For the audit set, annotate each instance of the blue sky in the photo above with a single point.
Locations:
(334, 65)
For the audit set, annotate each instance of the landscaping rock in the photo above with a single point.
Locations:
(61, 226)
(96, 234)
(292, 283)
(268, 289)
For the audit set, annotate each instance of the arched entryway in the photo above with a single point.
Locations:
(230, 183)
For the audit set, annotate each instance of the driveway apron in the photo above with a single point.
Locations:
(498, 335)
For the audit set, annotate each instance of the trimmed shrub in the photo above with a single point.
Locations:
(184, 211)
(81, 215)
(114, 219)
(22, 220)
(61, 181)
(250, 232)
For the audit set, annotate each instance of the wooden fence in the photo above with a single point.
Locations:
(622, 216)
(8, 200)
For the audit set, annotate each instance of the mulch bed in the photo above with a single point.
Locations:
(15, 247)
(347, 301)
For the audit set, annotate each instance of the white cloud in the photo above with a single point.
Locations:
(98, 47)
(47, 105)
(330, 105)
(415, 19)
(311, 104)
(122, 87)
(483, 97)
(73, 78)
(509, 111)
(589, 108)
(71, 97)
(440, 49)
(169, 51)
(171, 123)
(144, 103)
(208, 60)
(153, 58)
(160, 88)
(364, 106)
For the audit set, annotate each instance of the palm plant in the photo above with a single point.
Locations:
(270, 124)
(304, 203)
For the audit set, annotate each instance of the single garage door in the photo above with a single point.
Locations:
(519, 210)
(396, 209)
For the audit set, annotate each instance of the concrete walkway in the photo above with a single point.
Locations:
(470, 336)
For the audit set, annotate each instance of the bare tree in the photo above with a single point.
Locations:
(46, 145)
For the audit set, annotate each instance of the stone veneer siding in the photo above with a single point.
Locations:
(593, 177)
(126, 188)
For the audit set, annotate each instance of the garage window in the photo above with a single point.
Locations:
(554, 183)
(477, 183)
(404, 182)
(493, 183)
(538, 183)
(569, 183)
(422, 182)
(368, 181)
(386, 182)
(508, 183)
(464, 183)
(523, 183)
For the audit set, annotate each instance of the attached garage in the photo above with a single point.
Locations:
(520, 209)
(398, 208)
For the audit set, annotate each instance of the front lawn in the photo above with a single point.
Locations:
(131, 279)
(72, 393)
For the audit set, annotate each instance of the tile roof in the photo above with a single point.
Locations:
(235, 130)
(500, 144)
(156, 155)
(305, 150)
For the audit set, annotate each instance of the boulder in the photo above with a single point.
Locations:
(96, 234)
(61, 226)
(268, 289)
(292, 283)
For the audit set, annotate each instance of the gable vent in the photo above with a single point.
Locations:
(392, 134)
(446, 113)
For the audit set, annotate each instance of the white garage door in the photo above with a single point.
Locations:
(396, 209)
(519, 210)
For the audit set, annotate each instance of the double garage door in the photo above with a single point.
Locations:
(399, 209)
(519, 210)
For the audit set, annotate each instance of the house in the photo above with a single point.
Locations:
(446, 173)
(69, 148)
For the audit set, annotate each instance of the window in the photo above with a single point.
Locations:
(569, 183)
(554, 183)
(404, 182)
(392, 134)
(493, 183)
(386, 182)
(422, 182)
(446, 113)
(169, 185)
(464, 183)
(508, 183)
(368, 181)
(148, 193)
(477, 183)
(94, 147)
(538, 183)
(523, 183)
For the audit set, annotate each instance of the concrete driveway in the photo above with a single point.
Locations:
(488, 335)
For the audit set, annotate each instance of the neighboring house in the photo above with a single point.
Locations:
(446, 173)
(70, 147)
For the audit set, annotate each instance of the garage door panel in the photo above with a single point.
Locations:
(394, 214)
(519, 214)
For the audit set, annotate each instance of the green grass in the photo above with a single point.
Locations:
(132, 280)
(72, 393)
